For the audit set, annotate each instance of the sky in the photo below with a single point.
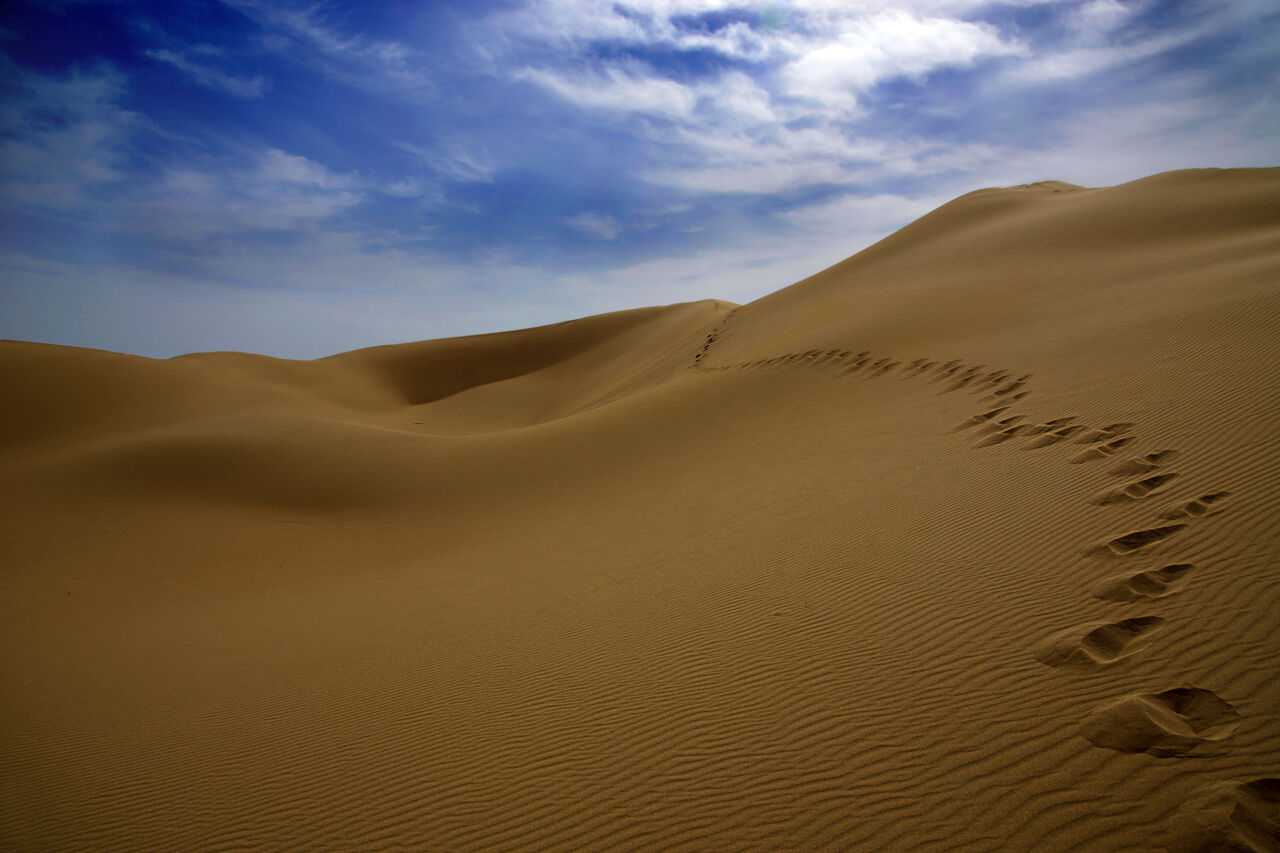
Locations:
(303, 178)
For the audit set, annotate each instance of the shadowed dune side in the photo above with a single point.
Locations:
(967, 543)
(349, 430)
(514, 379)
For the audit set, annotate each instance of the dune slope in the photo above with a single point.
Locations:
(968, 542)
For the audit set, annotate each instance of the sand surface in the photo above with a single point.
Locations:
(970, 542)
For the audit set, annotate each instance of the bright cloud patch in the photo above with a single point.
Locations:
(884, 46)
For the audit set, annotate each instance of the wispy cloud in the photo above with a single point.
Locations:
(600, 225)
(210, 77)
(616, 89)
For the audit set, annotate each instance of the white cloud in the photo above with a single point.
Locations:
(780, 124)
(853, 214)
(459, 162)
(276, 166)
(1099, 17)
(886, 45)
(778, 159)
(616, 90)
(212, 78)
(600, 225)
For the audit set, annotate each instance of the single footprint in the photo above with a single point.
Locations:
(980, 419)
(1204, 505)
(1097, 643)
(1105, 433)
(1003, 424)
(1101, 451)
(1057, 435)
(859, 360)
(1230, 817)
(1009, 389)
(1153, 583)
(1144, 464)
(1172, 722)
(1138, 539)
(947, 368)
(1134, 491)
(1005, 435)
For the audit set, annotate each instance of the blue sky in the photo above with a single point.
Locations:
(299, 179)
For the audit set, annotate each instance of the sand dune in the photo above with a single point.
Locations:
(971, 541)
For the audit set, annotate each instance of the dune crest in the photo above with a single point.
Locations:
(967, 542)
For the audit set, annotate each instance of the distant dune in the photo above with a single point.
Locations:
(969, 542)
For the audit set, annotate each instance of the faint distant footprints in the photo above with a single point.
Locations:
(1144, 464)
(1101, 450)
(865, 365)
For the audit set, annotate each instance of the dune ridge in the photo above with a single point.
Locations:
(968, 542)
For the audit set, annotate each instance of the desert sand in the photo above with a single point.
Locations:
(970, 542)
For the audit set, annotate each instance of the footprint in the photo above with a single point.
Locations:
(1010, 388)
(859, 360)
(1233, 817)
(1204, 505)
(1100, 451)
(1172, 722)
(1104, 433)
(1002, 424)
(1138, 539)
(1057, 435)
(1153, 583)
(1134, 491)
(1005, 435)
(1097, 643)
(980, 419)
(1145, 464)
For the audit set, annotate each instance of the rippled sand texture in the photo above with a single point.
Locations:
(971, 541)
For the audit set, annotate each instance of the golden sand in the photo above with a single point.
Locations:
(970, 542)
